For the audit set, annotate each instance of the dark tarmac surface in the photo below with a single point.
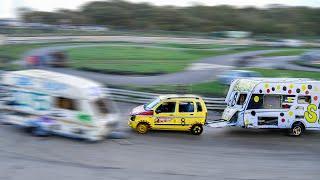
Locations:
(225, 153)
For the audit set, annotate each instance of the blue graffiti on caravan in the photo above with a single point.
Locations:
(54, 86)
(23, 81)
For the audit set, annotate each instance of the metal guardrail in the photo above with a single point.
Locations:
(144, 97)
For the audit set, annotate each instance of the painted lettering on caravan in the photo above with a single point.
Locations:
(311, 115)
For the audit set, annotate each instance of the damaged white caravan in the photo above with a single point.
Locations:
(287, 103)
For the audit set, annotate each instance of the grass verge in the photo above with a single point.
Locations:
(141, 60)
(215, 89)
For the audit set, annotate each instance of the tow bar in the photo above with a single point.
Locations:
(219, 123)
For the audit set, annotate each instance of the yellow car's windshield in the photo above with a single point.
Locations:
(151, 104)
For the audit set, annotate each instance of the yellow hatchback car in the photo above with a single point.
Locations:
(170, 112)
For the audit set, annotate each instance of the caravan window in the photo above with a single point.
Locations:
(260, 101)
(242, 99)
(256, 101)
(288, 98)
(65, 103)
(102, 106)
(272, 102)
(304, 99)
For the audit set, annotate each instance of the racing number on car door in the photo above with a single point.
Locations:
(186, 113)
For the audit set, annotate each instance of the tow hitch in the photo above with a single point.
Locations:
(219, 123)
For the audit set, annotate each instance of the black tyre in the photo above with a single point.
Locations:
(38, 131)
(297, 129)
(196, 129)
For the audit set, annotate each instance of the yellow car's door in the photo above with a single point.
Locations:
(164, 116)
(186, 114)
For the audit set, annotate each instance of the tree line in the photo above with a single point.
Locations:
(118, 14)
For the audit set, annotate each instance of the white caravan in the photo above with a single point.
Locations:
(287, 103)
(47, 102)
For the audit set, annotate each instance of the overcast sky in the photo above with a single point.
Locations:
(7, 7)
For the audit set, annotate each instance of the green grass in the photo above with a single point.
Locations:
(12, 52)
(212, 88)
(215, 89)
(199, 46)
(15, 51)
(140, 60)
(9, 53)
(288, 52)
(115, 59)
(131, 59)
(287, 73)
(306, 63)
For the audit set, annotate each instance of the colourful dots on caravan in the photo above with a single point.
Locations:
(303, 87)
(291, 113)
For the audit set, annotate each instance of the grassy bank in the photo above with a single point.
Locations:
(215, 89)
(141, 60)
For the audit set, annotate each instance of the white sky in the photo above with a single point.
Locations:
(7, 7)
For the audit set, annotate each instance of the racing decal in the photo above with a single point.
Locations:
(23, 81)
(53, 86)
(183, 121)
(33, 100)
(311, 115)
(163, 119)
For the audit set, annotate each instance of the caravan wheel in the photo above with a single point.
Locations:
(297, 129)
(38, 131)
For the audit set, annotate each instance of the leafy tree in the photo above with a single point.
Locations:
(118, 14)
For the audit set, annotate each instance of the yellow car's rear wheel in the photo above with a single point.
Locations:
(142, 128)
(196, 129)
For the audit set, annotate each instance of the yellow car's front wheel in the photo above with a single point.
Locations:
(142, 128)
